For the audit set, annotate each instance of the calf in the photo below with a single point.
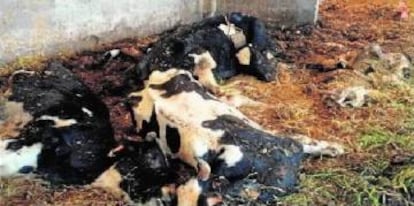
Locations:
(195, 127)
(276, 160)
(141, 175)
(179, 104)
(237, 43)
(63, 130)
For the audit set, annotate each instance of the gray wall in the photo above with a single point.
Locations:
(284, 12)
(43, 27)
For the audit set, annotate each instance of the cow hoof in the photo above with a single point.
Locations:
(204, 170)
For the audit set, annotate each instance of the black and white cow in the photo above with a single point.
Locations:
(237, 43)
(62, 131)
(55, 126)
(208, 134)
(143, 176)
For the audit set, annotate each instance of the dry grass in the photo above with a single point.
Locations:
(379, 166)
(31, 191)
(378, 170)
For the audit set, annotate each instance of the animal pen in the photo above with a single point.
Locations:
(207, 102)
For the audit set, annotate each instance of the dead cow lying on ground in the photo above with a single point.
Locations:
(63, 130)
(239, 45)
(69, 127)
(143, 175)
(55, 127)
(211, 136)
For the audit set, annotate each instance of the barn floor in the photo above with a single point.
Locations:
(379, 165)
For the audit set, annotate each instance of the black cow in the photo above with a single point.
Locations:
(276, 160)
(68, 135)
(222, 40)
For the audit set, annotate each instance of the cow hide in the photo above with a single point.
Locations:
(63, 131)
(223, 37)
(142, 175)
(211, 136)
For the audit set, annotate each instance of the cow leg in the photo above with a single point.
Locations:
(116, 150)
(204, 169)
(110, 181)
(201, 166)
(162, 138)
(231, 95)
(238, 100)
(319, 147)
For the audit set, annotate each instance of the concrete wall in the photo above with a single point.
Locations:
(46, 26)
(284, 12)
(43, 27)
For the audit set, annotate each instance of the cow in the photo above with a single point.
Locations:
(56, 127)
(192, 134)
(198, 128)
(237, 43)
(202, 131)
(142, 175)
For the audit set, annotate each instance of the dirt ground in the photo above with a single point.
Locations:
(378, 168)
